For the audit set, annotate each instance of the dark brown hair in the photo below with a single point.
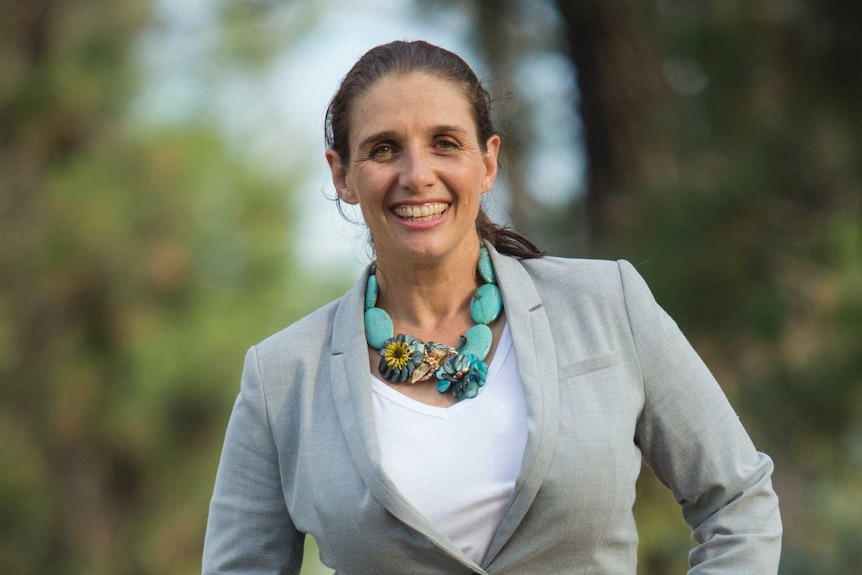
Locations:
(403, 58)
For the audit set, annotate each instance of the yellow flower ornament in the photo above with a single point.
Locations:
(399, 357)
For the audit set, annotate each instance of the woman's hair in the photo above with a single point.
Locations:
(403, 58)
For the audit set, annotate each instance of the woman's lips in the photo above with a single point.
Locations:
(421, 213)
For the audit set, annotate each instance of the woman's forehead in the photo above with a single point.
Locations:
(413, 101)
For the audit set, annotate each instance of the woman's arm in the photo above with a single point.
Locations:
(695, 444)
(249, 529)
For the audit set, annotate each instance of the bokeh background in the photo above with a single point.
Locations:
(164, 204)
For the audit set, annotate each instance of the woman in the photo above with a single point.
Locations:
(513, 443)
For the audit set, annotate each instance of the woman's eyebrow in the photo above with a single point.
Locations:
(377, 137)
(449, 129)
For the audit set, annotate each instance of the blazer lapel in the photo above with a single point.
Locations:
(537, 366)
(351, 389)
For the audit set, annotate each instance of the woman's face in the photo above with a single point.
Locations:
(416, 168)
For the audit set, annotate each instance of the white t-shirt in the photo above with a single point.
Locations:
(458, 465)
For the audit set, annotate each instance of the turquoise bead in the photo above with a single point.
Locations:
(479, 339)
(378, 327)
(371, 292)
(486, 270)
(486, 305)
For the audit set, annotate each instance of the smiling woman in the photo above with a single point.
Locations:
(471, 405)
(417, 169)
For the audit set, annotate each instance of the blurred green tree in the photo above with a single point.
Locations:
(136, 264)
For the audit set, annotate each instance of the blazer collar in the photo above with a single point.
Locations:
(537, 365)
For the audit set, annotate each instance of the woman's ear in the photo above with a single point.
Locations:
(339, 178)
(492, 150)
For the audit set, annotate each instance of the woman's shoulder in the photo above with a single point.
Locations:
(312, 337)
(566, 265)
(577, 273)
(608, 291)
(307, 333)
(596, 283)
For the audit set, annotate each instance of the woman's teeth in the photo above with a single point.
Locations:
(421, 213)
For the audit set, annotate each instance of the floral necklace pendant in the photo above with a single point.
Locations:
(461, 370)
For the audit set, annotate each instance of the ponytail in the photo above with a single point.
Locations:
(506, 240)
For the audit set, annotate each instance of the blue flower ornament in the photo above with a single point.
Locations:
(464, 374)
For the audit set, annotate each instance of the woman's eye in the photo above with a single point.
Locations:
(382, 151)
(447, 145)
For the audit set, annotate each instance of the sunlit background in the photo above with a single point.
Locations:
(165, 203)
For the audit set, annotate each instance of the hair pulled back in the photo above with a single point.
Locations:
(401, 58)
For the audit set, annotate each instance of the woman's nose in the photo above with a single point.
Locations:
(417, 171)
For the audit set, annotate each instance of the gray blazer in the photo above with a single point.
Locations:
(608, 379)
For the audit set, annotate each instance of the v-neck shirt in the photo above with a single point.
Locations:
(458, 465)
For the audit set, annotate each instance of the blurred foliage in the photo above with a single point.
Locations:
(136, 264)
(138, 261)
(751, 237)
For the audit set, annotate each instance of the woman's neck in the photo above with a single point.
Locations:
(429, 301)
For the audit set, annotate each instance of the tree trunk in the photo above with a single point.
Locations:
(496, 21)
(623, 99)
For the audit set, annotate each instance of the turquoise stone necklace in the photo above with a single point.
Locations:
(461, 369)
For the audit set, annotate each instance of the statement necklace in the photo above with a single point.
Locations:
(404, 358)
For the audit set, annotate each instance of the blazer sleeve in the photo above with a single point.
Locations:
(694, 442)
(249, 529)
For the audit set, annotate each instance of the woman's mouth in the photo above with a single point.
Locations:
(423, 213)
